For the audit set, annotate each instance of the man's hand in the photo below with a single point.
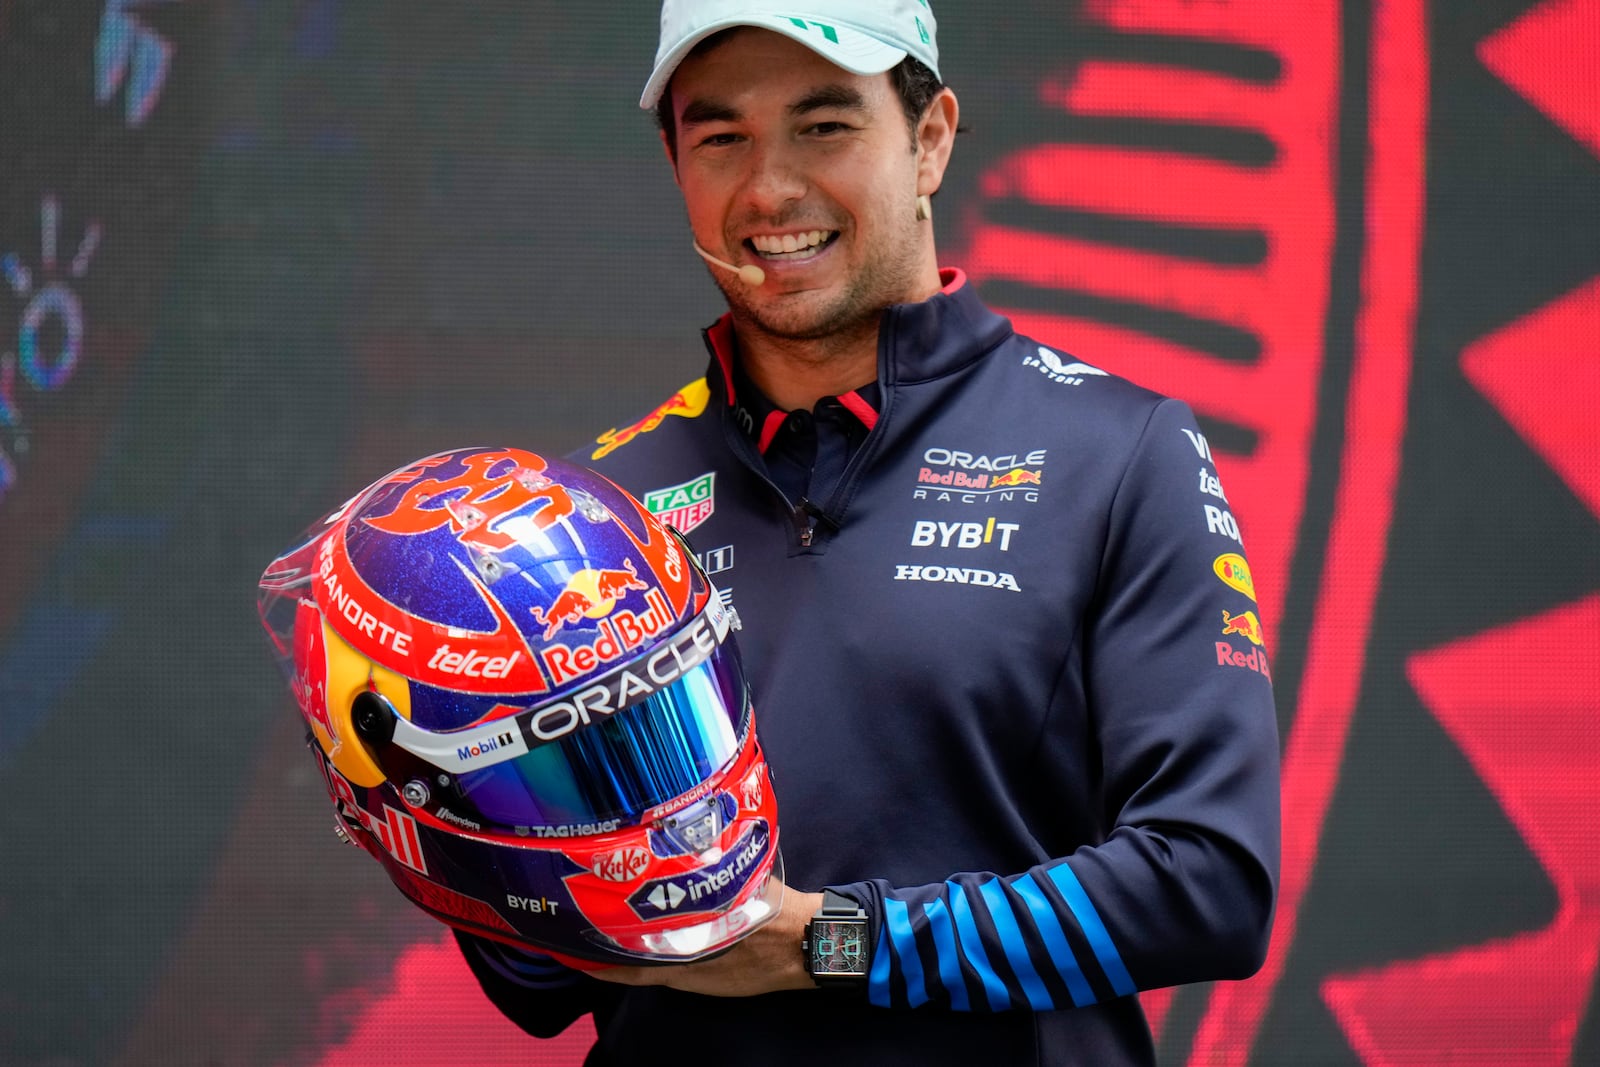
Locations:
(765, 961)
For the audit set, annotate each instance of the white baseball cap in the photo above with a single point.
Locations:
(862, 36)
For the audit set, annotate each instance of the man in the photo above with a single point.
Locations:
(1006, 663)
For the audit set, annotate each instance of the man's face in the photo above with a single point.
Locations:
(806, 170)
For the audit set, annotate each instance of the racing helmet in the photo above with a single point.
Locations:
(526, 700)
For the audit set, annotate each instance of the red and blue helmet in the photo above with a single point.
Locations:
(527, 702)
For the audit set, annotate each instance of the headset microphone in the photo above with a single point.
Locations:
(750, 274)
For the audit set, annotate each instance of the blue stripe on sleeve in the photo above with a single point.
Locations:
(1055, 940)
(1089, 922)
(898, 922)
(944, 946)
(1016, 950)
(972, 948)
(878, 976)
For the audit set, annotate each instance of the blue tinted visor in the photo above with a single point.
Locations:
(618, 769)
(596, 758)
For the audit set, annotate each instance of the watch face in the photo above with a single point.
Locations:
(839, 947)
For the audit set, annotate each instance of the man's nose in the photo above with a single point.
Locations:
(775, 179)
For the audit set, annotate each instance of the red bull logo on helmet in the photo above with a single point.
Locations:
(621, 631)
(688, 402)
(589, 594)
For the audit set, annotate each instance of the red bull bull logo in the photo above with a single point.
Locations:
(589, 594)
(688, 402)
(620, 631)
(1245, 624)
(1235, 573)
(1018, 476)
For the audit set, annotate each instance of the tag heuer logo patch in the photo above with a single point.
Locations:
(684, 506)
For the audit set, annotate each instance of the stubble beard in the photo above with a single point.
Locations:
(880, 283)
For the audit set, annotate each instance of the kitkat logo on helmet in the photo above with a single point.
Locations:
(621, 864)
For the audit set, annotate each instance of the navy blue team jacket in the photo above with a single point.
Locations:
(1009, 677)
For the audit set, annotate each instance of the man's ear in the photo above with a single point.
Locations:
(936, 136)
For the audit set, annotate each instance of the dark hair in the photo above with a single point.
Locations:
(913, 82)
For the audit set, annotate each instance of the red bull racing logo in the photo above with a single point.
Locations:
(589, 594)
(1245, 624)
(1017, 476)
(620, 630)
(688, 402)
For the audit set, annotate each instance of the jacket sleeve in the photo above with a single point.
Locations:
(1180, 888)
(540, 995)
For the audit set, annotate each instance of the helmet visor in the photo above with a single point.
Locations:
(596, 760)
(620, 769)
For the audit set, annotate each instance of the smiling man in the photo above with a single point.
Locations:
(1025, 753)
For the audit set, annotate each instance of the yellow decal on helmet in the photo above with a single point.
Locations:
(349, 672)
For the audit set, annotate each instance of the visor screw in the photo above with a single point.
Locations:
(415, 793)
(443, 780)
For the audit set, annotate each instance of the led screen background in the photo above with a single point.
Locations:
(255, 254)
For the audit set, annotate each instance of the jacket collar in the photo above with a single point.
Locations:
(916, 342)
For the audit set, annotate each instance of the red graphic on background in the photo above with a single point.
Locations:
(1281, 303)
(1520, 702)
(1543, 374)
(1549, 56)
(457, 1026)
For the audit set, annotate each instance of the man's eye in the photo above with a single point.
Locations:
(715, 139)
(829, 127)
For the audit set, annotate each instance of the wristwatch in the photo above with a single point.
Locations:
(838, 952)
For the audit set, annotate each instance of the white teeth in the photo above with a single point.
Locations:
(772, 244)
